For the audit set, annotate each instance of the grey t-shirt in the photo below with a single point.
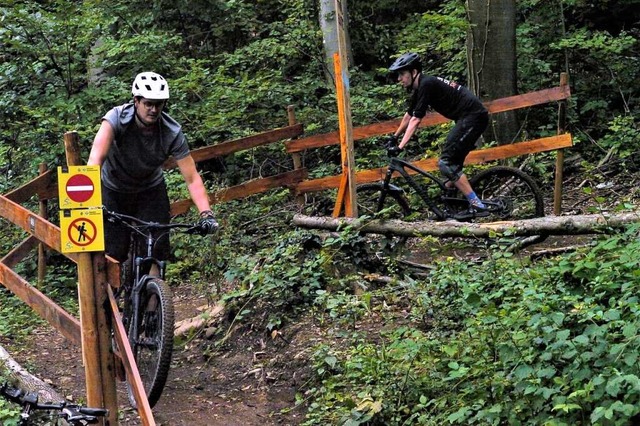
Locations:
(134, 162)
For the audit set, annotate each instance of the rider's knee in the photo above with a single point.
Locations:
(450, 171)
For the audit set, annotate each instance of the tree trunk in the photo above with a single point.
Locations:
(329, 26)
(492, 64)
(552, 225)
(20, 378)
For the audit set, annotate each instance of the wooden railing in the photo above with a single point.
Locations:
(297, 178)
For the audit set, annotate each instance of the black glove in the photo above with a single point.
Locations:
(207, 223)
(394, 150)
(391, 140)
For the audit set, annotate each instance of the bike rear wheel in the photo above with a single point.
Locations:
(515, 191)
(153, 345)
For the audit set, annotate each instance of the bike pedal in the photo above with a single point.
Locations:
(471, 214)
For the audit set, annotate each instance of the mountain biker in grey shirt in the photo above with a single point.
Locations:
(452, 101)
(132, 144)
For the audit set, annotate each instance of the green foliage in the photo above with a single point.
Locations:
(621, 135)
(16, 318)
(9, 414)
(503, 343)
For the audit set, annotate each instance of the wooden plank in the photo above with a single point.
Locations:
(44, 185)
(528, 99)
(42, 229)
(113, 272)
(347, 194)
(20, 251)
(60, 319)
(105, 340)
(431, 119)
(46, 232)
(242, 144)
(256, 186)
(475, 157)
(93, 355)
(129, 362)
(550, 143)
(562, 121)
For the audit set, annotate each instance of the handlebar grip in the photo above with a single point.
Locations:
(98, 412)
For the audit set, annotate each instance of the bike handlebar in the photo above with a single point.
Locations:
(138, 225)
(70, 412)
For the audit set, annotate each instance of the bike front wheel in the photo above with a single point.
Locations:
(152, 345)
(377, 203)
(515, 192)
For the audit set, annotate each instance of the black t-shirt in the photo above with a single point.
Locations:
(445, 97)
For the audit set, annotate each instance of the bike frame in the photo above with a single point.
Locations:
(400, 166)
(140, 280)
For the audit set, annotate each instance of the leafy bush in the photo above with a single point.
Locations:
(503, 343)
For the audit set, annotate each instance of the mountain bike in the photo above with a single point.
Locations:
(145, 301)
(73, 414)
(507, 192)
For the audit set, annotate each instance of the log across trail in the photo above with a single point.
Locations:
(548, 225)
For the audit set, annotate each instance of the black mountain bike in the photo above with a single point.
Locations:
(145, 301)
(508, 194)
(74, 415)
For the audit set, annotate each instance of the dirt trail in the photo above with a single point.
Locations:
(247, 383)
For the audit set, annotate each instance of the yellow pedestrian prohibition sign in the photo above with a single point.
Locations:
(81, 230)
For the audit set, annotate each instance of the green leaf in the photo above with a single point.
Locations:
(459, 415)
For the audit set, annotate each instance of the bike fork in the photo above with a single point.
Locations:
(385, 189)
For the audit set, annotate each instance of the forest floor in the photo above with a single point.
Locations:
(253, 378)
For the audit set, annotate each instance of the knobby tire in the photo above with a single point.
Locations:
(520, 193)
(155, 339)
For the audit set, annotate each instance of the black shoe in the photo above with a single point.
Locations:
(471, 213)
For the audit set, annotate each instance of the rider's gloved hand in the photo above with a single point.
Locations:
(207, 223)
(391, 140)
(394, 150)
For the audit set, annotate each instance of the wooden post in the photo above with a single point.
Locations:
(96, 335)
(562, 116)
(347, 189)
(295, 156)
(42, 259)
(107, 362)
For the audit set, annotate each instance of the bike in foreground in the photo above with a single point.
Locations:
(145, 300)
(72, 414)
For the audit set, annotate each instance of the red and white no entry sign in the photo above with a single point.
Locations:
(79, 188)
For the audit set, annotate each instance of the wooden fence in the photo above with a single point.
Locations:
(297, 178)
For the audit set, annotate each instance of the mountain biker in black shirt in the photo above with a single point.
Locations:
(454, 102)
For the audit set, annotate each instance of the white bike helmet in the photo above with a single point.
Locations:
(150, 85)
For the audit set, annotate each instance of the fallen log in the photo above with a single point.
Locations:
(208, 315)
(20, 378)
(549, 225)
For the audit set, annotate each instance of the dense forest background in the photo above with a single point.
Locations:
(234, 66)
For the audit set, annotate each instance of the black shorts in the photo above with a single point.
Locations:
(151, 205)
(462, 139)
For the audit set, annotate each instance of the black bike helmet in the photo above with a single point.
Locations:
(408, 61)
